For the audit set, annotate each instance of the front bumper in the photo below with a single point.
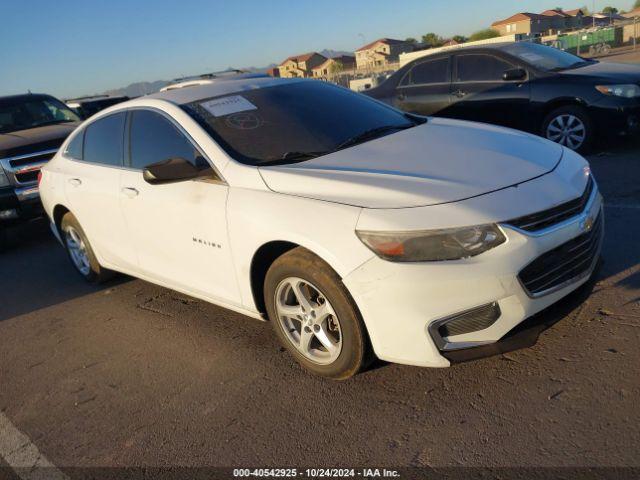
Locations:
(615, 116)
(400, 302)
(18, 204)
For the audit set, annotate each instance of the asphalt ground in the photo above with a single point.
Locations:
(129, 374)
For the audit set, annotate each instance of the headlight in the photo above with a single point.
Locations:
(626, 91)
(433, 245)
(4, 181)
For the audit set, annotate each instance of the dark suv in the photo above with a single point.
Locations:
(32, 127)
(531, 87)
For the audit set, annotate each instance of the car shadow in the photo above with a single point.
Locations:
(36, 272)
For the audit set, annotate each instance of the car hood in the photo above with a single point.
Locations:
(617, 72)
(439, 162)
(23, 142)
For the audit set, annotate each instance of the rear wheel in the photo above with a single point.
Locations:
(569, 126)
(314, 316)
(80, 251)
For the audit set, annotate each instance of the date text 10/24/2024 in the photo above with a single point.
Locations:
(316, 472)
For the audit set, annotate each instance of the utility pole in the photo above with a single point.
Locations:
(593, 13)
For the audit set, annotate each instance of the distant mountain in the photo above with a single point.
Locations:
(138, 89)
(334, 53)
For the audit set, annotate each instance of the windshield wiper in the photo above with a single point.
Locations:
(295, 157)
(371, 134)
(291, 157)
(579, 64)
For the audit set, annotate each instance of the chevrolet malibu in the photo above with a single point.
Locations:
(357, 230)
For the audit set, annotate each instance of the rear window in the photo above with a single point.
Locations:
(433, 71)
(274, 123)
(103, 140)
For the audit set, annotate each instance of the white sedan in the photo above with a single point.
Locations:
(356, 229)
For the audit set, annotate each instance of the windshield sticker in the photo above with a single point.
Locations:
(220, 107)
(243, 121)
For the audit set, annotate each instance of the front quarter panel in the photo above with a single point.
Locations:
(259, 217)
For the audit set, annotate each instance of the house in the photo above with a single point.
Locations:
(332, 65)
(632, 14)
(300, 65)
(523, 23)
(548, 22)
(450, 43)
(381, 52)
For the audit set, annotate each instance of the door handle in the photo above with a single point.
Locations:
(76, 182)
(130, 192)
(460, 93)
(401, 96)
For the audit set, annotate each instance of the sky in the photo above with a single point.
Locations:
(76, 47)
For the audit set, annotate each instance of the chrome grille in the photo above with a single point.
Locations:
(564, 264)
(552, 216)
(23, 170)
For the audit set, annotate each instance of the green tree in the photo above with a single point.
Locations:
(484, 34)
(411, 41)
(586, 10)
(336, 67)
(432, 40)
(610, 10)
(462, 38)
(636, 5)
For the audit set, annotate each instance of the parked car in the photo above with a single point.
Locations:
(531, 87)
(353, 227)
(87, 106)
(32, 127)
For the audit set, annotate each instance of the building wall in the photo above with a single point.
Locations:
(380, 54)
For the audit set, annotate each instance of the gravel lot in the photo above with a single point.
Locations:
(131, 374)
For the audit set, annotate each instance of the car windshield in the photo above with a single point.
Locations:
(545, 58)
(24, 112)
(293, 122)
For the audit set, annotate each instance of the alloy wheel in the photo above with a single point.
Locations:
(308, 320)
(77, 250)
(567, 130)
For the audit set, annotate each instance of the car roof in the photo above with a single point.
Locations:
(220, 87)
(24, 96)
(96, 98)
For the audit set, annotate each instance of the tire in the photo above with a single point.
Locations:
(330, 316)
(80, 252)
(576, 120)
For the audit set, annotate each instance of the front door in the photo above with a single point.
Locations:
(425, 88)
(479, 93)
(179, 229)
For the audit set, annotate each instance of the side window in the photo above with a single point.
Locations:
(480, 68)
(432, 71)
(74, 148)
(153, 139)
(103, 140)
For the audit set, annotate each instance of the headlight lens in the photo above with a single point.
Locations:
(626, 91)
(4, 181)
(433, 245)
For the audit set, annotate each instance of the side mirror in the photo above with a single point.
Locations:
(514, 74)
(170, 171)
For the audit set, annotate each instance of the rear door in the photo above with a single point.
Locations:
(92, 189)
(479, 93)
(425, 88)
(179, 229)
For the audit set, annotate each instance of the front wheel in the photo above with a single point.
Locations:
(80, 252)
(314, 316)
(569, 126)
